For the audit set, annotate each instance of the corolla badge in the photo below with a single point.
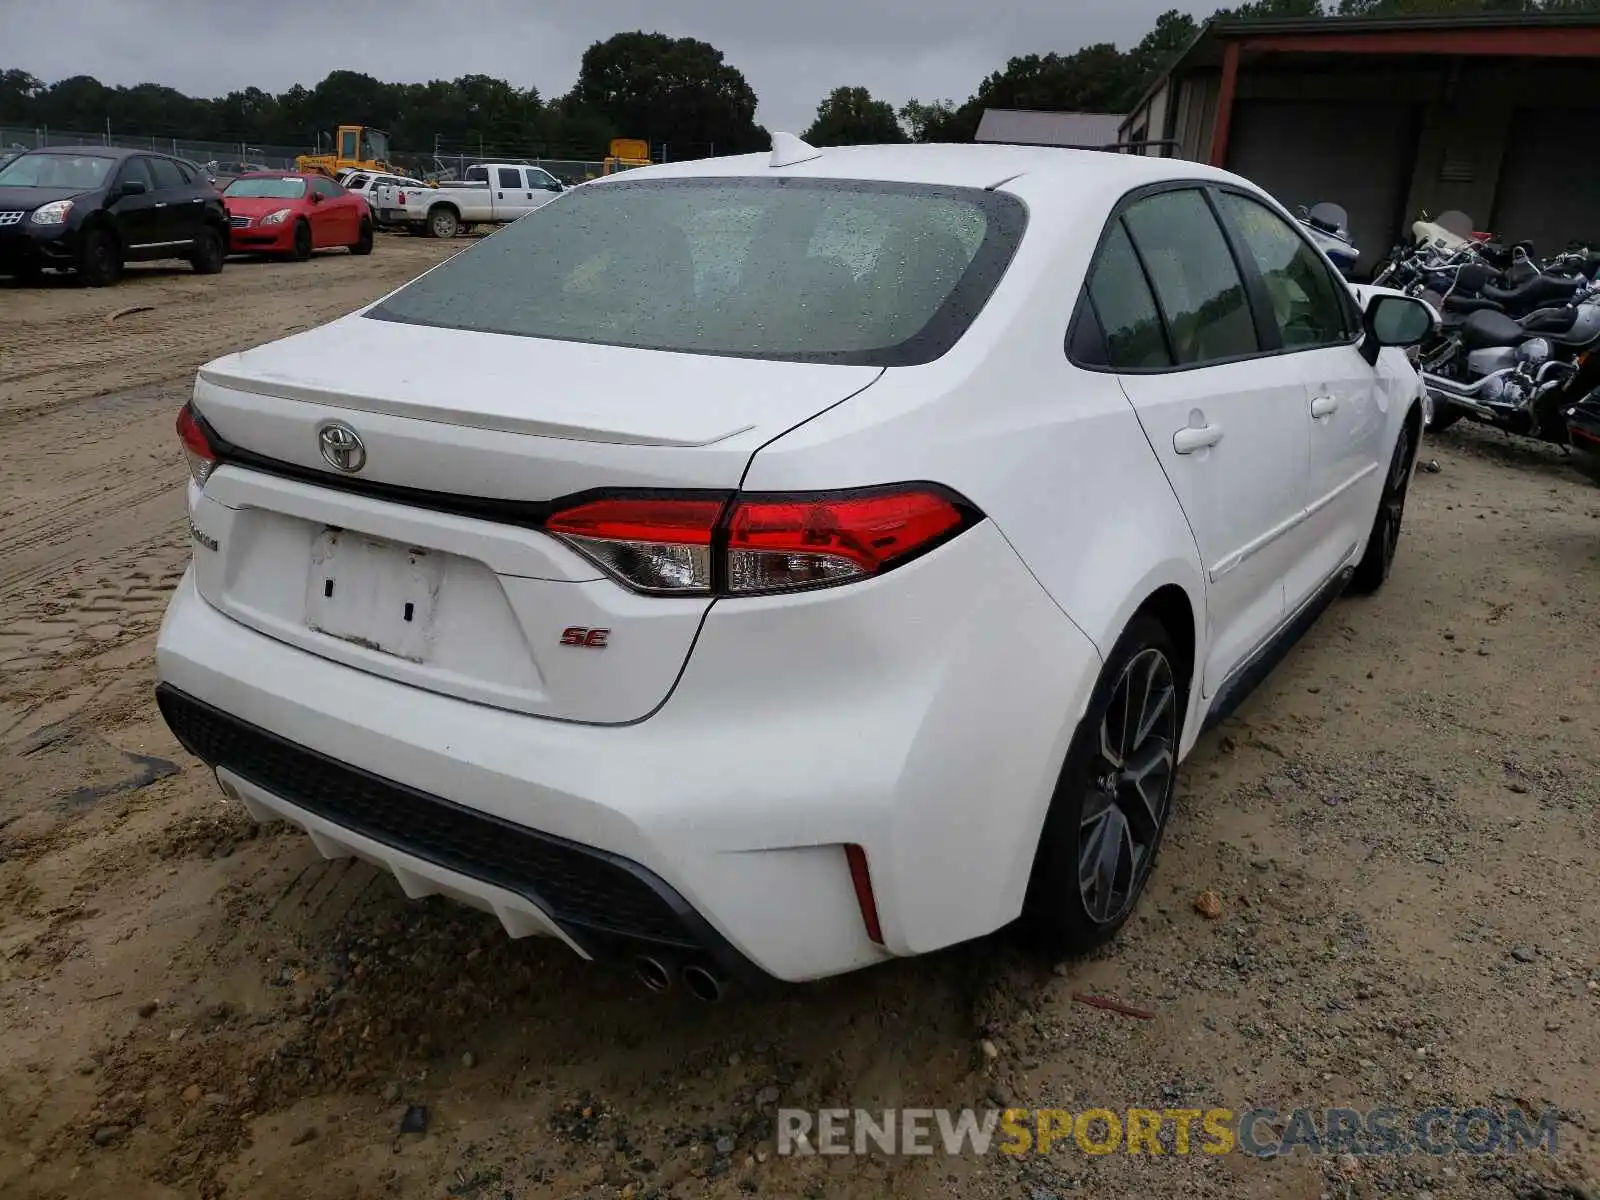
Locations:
(342, 447)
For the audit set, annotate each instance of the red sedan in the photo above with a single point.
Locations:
(278, 212)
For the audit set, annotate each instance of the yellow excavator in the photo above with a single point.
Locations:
(627, 153)
(356, 148)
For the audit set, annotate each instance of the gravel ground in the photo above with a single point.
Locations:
(1399, 829)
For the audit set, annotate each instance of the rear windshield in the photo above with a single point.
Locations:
(56, 171)
(802, 270)
(275, 188)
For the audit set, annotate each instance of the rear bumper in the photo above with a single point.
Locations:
(923, 716)
(602, 906)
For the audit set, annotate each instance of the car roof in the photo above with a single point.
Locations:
(276, 175)
(983, 165)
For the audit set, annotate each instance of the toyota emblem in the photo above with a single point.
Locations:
(342, 447)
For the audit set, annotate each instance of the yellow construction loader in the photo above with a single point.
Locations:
(356, 148)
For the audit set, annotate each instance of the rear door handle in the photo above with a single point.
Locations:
(1324, 406)
(1191, 438)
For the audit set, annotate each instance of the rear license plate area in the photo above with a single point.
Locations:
(372, 593)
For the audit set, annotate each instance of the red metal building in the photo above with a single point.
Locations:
(1493, 114)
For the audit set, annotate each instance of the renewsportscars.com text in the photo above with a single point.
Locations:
(1258, 1132)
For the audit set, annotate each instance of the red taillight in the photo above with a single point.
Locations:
(779, 545)
(861, 880)
(758, 544)
(196, 447)
(651, 544)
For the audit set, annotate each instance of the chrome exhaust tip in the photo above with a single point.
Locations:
(652, 974)
(702, 984)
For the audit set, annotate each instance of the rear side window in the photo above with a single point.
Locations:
(805, 270)
(1121, 300)
(1196, 281)
(1305, 298)
(135, 171)
(166, 173)
(510, 177)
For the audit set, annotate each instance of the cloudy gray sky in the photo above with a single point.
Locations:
(791, 52)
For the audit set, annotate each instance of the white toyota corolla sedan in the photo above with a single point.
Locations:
(773, 565)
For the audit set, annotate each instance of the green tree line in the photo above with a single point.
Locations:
(680, 94)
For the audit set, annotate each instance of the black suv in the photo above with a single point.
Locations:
(90, 209)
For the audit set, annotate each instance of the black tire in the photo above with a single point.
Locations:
(302, 242)
(1444, 416)
(1373, 570)
(363, 242)
(1099, 801)
(443, 222)
(210, 252)
(99, 258)
(1588, 462)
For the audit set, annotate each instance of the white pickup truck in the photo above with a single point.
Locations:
(366, 184)
(491, 194)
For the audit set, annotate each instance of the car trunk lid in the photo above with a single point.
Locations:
(425, 562)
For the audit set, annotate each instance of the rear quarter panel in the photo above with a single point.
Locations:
(1054, 456)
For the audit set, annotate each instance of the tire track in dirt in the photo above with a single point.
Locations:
(91, 498)
(1407, 803)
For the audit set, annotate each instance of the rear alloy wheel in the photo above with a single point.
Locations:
(363, 242)
(443, 223)
(99, 259)
(1112, 800)
(301, 249)
(1373, 569)
(209, 254)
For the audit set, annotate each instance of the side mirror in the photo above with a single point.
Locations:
(316, 196)
(1391, 319)
(134, 187)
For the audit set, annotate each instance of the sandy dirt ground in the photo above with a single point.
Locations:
(1400, 824)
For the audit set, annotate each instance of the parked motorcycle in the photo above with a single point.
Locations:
(1329, 227)
(1520, 375)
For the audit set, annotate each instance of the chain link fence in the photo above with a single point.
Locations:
(276, 157)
